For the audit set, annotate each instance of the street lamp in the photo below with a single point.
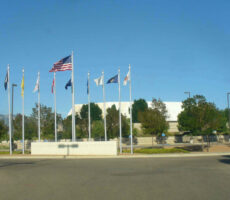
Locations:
(228, 109)
(12, 107)
(188, 94)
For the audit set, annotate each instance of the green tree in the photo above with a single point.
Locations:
(17, 127)
(95, 115)
(98, 129)
(67, 126)
(160, 106)
(201, 117)
(3, 131)
(112, 119)
(31, 130)
(83, 130)
(95, 112)
(139, 105)
(153, 120)
(47, 120)
(225, 113)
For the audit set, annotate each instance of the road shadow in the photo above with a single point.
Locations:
(225, 160)
(7, 163)
(192, 148)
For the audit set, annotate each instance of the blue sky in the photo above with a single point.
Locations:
(172, 46)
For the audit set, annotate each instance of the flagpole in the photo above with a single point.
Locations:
(88, 89)
(23, 117)
(55, 109)
(39, 114)
(119, 89)
(130, 104)
(103, 86)
(73, 106)
(10, 140)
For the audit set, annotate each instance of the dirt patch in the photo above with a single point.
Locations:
(203, 148)
(218, 148)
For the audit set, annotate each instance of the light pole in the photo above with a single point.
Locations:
(188, 94)
(12, 107)
(228, 110)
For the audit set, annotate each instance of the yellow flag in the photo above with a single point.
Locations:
(22, 86)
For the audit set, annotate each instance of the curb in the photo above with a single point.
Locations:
(182, 155)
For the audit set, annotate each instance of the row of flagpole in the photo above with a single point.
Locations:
(115, 79)
(99, 81)
(7, 87)
(63, 65)
(56, 68)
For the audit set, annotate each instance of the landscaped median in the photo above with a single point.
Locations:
(156, 151)
(183, 151)
(14, 152)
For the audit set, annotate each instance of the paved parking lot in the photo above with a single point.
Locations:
(132, 178)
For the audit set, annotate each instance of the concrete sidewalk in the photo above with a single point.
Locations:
(118, 156)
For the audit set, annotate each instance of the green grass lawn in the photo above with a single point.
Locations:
(155, 151)
(14, 152)
(143, 151)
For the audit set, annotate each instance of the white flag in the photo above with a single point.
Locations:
(99, 81)
(127, 78)
(37, 85)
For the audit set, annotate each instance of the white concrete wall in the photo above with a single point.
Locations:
(74, 148)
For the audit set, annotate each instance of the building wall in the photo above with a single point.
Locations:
(174, 108)
(172, 127)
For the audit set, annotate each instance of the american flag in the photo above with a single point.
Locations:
(62, 65)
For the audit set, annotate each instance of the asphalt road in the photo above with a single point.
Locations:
(123, 179)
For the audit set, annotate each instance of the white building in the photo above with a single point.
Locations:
(173, 108)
